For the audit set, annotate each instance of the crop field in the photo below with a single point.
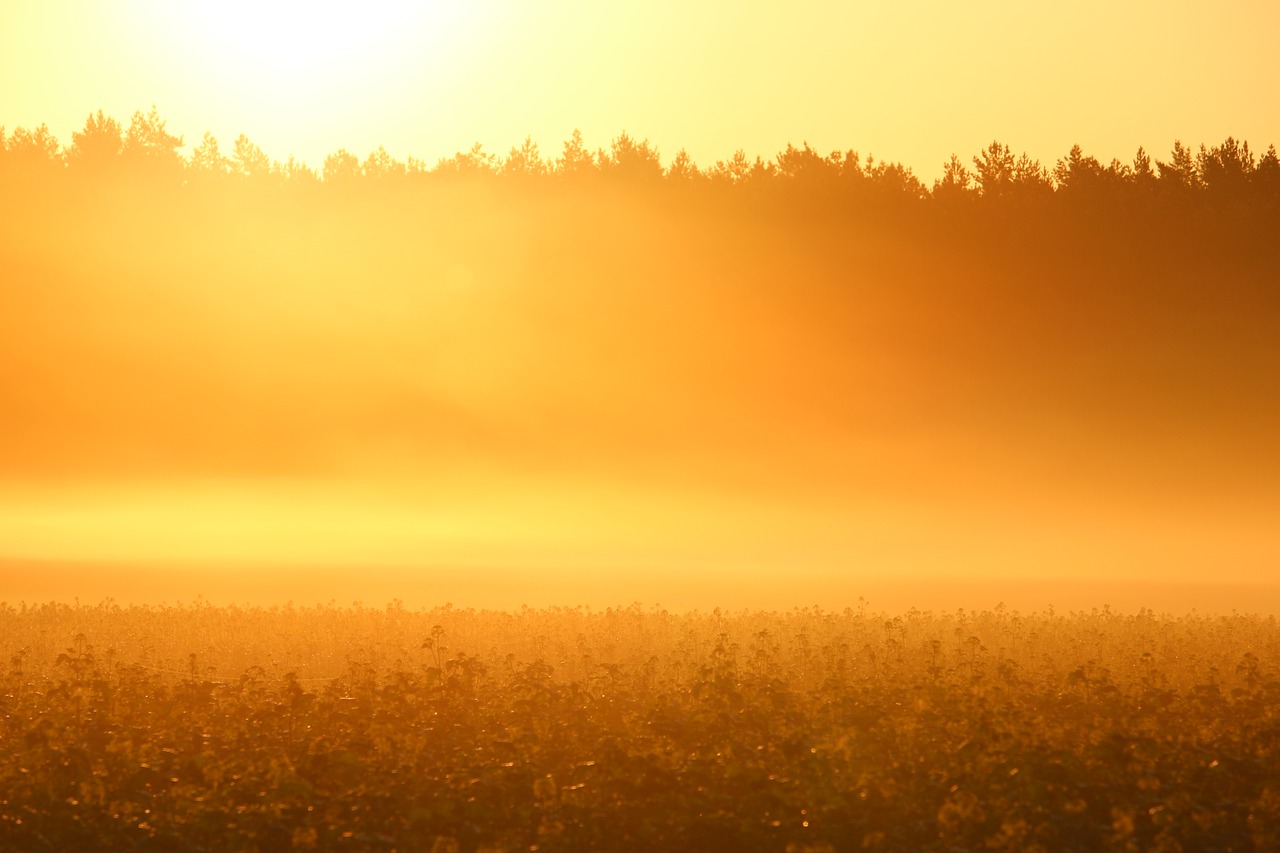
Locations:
(197, 727)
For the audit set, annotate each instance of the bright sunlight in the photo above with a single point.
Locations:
(309, 57)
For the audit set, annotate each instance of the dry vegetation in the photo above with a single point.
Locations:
(206, 728)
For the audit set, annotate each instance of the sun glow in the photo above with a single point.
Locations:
(288, 64)
(576, 379)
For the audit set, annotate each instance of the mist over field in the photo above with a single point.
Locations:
(614, 390)
(648, 474)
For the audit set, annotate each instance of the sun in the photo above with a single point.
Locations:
(277, 65)
(313, 45)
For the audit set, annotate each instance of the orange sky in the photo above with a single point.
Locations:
(767, 409)
(907, 81)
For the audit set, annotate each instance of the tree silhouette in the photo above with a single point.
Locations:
(631, 160)
(1031, 178)
(1077, 172)
(1226, 170)
(575, 161)
(97, 147)
(993, 170)
(1266, 178)
(207, 160)
(806, 169)
(956, 181)
(741, 170)
(1179, 173)
(525, 161)
(1225, 175)
(473, 163)
(296, 171)
(381, 166)
(341, 167)
(1142, 174)
(33, 152)
(683, 169)
(149, 148)
(249, 161)
(893, 179)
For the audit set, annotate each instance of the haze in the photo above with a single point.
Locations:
(763, 381)
(913, 81)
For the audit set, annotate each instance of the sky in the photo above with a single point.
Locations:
(911, 81)
(483, 408)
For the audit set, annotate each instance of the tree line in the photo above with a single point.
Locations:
(1230, 172)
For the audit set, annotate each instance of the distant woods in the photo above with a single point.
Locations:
(142, 151)
(814, 323)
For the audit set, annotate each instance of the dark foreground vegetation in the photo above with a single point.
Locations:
(227, 729)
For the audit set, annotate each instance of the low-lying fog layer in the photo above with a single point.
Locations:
(629, 401)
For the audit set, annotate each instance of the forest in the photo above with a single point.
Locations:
(144, 151)
(771, 348)
(814, 370)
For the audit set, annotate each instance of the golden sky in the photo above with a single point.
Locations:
(793, 410)
(911, 81)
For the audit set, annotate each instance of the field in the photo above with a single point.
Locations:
(808, 409)
(197, 727)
